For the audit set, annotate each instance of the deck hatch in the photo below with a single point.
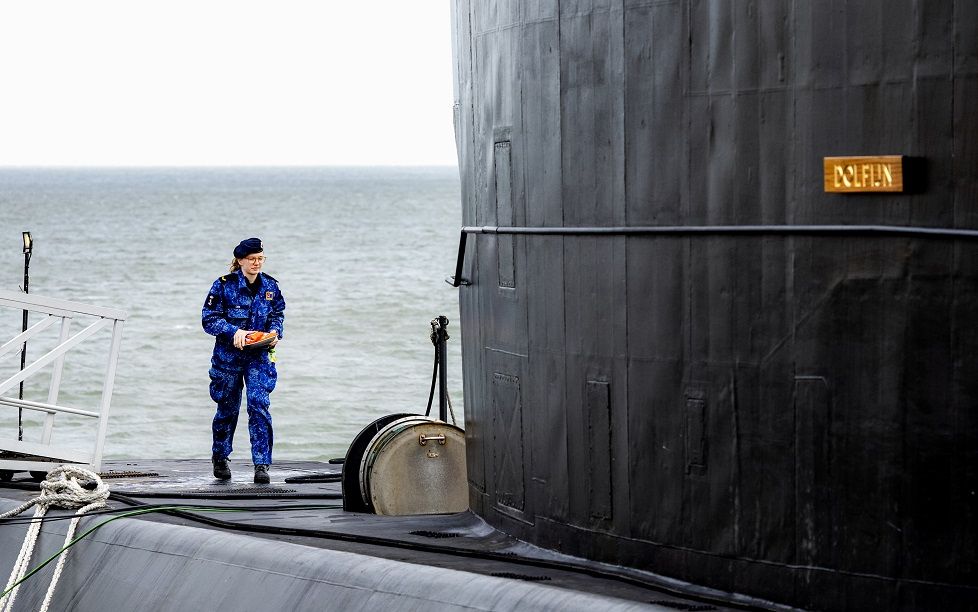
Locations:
(599, 447)
(508, 443)
(695, 431)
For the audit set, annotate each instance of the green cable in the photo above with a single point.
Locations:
(107, 521)
(67, 517)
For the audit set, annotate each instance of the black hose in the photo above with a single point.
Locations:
(231, 495)
(434, 378)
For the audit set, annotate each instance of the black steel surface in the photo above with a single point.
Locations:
(728, 376)
(294, 551)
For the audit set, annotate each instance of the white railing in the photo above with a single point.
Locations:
(43, 456)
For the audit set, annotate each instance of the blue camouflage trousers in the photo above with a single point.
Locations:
(257, 375)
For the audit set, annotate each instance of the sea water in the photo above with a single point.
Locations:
(360, 254)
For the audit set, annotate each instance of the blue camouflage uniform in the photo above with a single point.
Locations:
(230, 305)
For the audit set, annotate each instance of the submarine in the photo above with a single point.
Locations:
(717, 279)
(717, 276)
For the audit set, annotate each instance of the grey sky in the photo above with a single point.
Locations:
(218, 82)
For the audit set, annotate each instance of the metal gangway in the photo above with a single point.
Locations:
(43, 456)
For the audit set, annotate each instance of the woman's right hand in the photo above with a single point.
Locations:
(240, 337)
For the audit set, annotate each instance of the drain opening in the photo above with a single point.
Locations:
(519, 576)
(127, 474)
(243, 490)
(436, 534)
(678, 605)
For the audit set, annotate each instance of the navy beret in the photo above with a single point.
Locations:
(247, 247)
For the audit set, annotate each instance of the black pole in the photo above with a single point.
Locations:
(442, 369)
(28, 247)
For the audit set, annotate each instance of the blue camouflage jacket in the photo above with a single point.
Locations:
(230, 306)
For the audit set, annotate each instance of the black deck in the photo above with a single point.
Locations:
(281, 511)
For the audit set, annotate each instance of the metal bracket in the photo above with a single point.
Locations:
(457, 280)
(423, 439)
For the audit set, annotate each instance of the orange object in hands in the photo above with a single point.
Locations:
(259, 339)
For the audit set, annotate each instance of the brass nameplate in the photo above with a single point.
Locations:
(862, 174)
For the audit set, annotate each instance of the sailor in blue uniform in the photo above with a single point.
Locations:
(244, 301)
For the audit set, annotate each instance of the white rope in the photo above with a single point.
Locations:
(450, 409)
(64, 488)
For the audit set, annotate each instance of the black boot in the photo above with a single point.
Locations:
(222, 471)
(261, 474)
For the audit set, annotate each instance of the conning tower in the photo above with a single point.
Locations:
(694, 343)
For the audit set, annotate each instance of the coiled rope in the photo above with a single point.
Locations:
(65, 487)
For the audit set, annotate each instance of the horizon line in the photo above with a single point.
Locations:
(198, 166)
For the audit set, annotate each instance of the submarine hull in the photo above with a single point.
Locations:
(786, 411)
